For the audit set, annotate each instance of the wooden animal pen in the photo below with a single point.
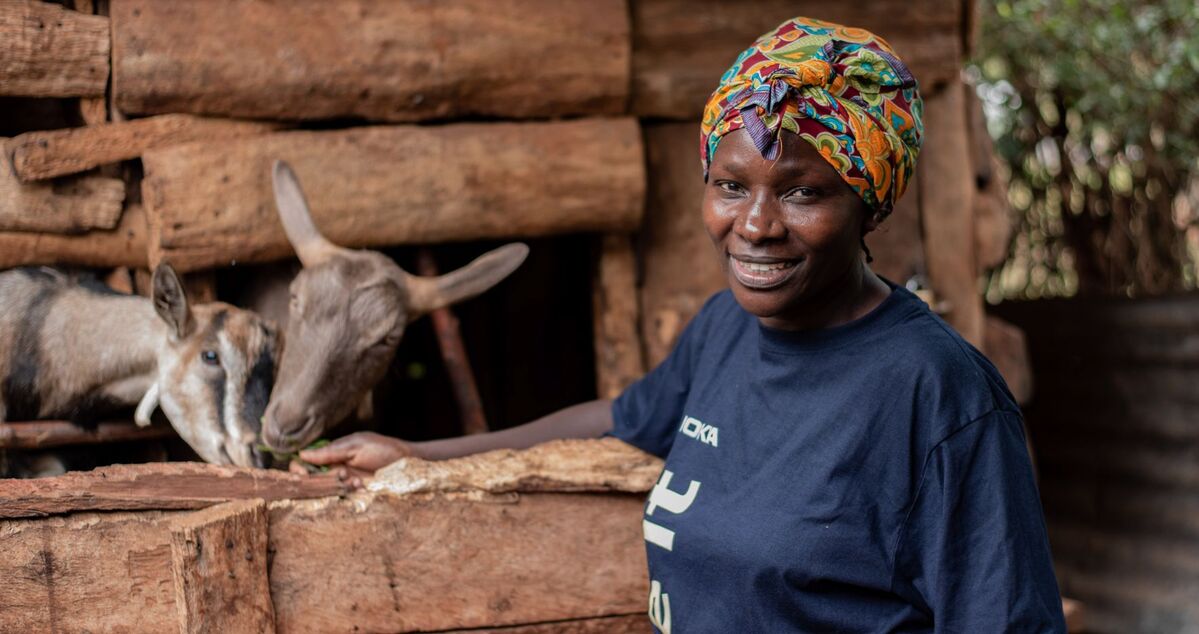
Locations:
(505, 119)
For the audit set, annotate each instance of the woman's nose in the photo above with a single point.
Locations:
(760, 221)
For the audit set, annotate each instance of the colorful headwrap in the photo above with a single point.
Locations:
(839, 88)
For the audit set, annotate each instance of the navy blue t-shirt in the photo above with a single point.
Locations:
(871, 477)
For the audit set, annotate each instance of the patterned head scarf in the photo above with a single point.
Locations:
(839, 88)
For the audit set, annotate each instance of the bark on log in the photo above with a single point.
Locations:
(631, 624)
(682, 268)
(681, 47)
(947, 210)
(211, 204)
(381, 60)
(70, 205)
(162, 486)
(40, 155)
(618, 358)
(44, 434)
(601, 465)
(123, 246)
(48, 51)
(219, 565)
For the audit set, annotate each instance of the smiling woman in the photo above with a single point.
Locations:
(837, 457)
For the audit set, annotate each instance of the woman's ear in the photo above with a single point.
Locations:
(872, 220)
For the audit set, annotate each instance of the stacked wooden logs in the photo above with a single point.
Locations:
(418, 122)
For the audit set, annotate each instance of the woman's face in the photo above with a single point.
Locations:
(788, 231)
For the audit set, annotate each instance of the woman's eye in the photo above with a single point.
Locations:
(802, 192)
(210, 357)
(729, 187)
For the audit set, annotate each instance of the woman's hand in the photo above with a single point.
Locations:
(360, 454)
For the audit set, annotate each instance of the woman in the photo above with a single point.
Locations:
(837, 458)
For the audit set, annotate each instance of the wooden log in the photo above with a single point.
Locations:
(70, 205)
(993, 226)
(618, 358)
(48, 51)
(123, 246)
(381, 60)
(40, 155)
(681, 47)
(681, 267)
(371, 561)
(212, 204)
(219, 565)
(947, 212)
(1005, 346)
(630, 624)
(44, 434)
(603, 465)
(174, 485)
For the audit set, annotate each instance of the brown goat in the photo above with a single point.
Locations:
(348, 310)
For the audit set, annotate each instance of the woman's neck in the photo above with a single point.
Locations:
(851, 297)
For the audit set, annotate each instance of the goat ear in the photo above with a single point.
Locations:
(427, 294)
(170, 301)
(310, 246)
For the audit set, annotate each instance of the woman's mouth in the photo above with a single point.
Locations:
(762, 275)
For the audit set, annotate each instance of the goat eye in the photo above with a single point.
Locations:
(210, 357)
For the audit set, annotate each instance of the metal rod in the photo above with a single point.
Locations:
(453, 353)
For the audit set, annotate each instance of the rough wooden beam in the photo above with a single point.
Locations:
(40, 155)
(381, 60)
(630, 624)
(211, 204)
(71, 205)
(947, 210)
(175, 485)
(681, 267)
(219, 565)
(124, 245)
(618, 359)
(681, 47)
(44, 434)
(601, 465)
(48, 51)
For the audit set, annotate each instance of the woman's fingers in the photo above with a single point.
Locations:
(339, 451)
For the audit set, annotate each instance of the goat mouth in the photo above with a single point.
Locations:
(291, 441)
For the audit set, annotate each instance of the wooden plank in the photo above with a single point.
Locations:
(48, 51)
(947, 212)
(630, 624)
(124, 245)
(165, 486)
(211, 204)
(618, 360)
(681, 47)
(71, 205)
(423, 564)
(40, 155)
(381, 60)
(44, 434)
(681, 267)
(373, 561)
(219, 565)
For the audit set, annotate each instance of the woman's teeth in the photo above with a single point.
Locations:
(762, 275)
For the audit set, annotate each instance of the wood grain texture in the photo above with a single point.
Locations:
(44, 434)
(70, 205)
(947, 212)
(219, 566)
(380, 60)
(48, 51)
(681, 47)
(631, 624)
(439, 562)
(163, 486)
(210, 204)
(41, 155)
(124, 245)
(681, 267)
(618, 359)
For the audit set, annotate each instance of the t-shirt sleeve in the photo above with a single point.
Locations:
(647, 413)
(974, 550)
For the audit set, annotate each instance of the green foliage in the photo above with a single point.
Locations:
(1094, 105)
